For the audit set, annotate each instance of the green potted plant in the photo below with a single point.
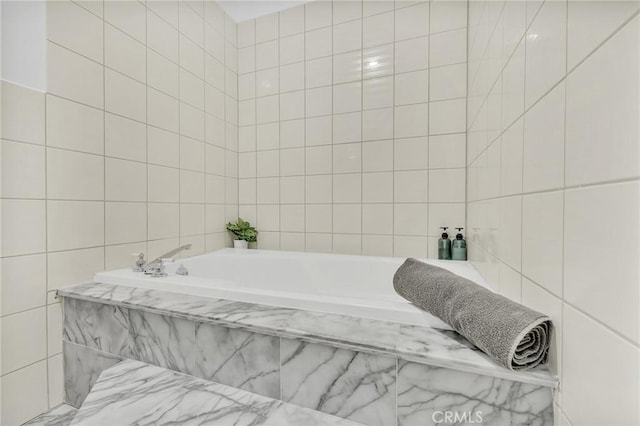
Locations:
(243, 233)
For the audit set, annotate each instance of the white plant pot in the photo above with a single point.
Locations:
(240, 244)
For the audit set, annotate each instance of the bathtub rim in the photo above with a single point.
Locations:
(399, 310)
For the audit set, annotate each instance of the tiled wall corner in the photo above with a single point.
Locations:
(132, 149)
(352, 126)
(552, 169)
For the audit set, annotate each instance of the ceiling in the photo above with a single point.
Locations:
(243, 10)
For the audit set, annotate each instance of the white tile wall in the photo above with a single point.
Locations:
(341, 109)
(553, 154)
(136, 152)
(353, 127)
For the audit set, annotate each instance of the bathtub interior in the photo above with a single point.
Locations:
(339, 284)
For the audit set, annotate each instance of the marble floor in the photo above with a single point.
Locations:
(62, 415)
(133, 392)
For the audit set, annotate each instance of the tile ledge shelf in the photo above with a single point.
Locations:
(423, 345)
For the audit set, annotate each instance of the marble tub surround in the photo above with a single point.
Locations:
(353, 385)
(344, 366)
(238, 358)
(162, 340)
(425, 391)
(82, 367)
(134, 392)
(443, 348)
(62, 415)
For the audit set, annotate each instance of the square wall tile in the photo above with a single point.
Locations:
(124, 53)
(580, 391)
(447, 185)
(377, 187)
(412, 22)
(588, 265)
(411, 153)
(23, 227)
(447, 116)
(74, 77)
(74, 176)
(447, 15)
(412, 87)
(23, 167)
(542, 230)
(448, 48)
(410, 219)
(546, 50)
(125, 222)
(74, 224)
(24, 283)
(161, 36)
(128, 17)
(317, 14)
(56, 380)
(22, 114)
(411, 54)
(24, 339)
(544, 146)
(24, 394)
(125, 138)
(67, 268)
(448, 82)
(125, 96)
(602, 105)
(292, 20)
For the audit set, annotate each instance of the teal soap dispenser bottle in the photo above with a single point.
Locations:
(459, 247)
(444, 245)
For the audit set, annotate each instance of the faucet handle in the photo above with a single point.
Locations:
(157, 270)
(140, 263)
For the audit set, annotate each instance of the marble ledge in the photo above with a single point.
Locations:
(132, 392)
(425, 345)
(62, 415)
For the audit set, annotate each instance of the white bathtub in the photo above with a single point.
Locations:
(359, 286)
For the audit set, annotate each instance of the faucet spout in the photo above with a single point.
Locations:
(170, 254)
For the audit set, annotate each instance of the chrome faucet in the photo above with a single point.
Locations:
(155, 268)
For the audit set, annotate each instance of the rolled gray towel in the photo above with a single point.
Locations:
(513, 335)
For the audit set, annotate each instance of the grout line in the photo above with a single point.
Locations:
(46, 247)
(146, 128)
(560, 347)
(428, 168)
(466, 135)
(362, 111)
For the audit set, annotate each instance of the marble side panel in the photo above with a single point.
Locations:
(162, 340)
(82, 366)
(96, 326)
(238, 358)
(427, 394)
(136, 393)
(352, 385)
(422, 344)
(62, 415)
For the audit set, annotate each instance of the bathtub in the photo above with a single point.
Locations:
(359, 286)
